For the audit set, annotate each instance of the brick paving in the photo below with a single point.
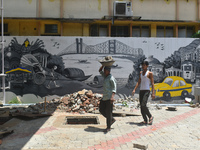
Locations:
(171, 130)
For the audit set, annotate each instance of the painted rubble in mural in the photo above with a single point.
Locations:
(46, 66)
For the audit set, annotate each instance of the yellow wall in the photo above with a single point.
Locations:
(13, 27)
(86, 30)
(33, 27)
(22, 27)
(72, 29)
(153, 30)
(27, 28)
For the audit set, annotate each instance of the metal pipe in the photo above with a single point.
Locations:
(131, 104)
(170, 104)
(2, 51)
(19, 104)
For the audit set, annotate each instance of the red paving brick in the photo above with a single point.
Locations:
(44, 130)
(145, 131)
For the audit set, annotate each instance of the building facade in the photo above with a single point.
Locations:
(149, 18)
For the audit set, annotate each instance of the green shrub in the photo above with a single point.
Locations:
(196, 35)
(14, 101)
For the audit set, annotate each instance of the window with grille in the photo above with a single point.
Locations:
(120, 31)
(98, 30)
(51, 28)
(140, 31)
(165, 31)
(5, 28)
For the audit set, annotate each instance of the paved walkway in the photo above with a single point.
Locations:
(171, 130)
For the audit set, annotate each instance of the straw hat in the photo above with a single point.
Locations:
(107, 61)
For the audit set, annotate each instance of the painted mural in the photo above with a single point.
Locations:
(47, 66)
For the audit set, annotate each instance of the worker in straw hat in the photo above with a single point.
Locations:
(109, 90)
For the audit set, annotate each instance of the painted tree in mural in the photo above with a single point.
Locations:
(134, 76)
(174, 60)
(55, 60)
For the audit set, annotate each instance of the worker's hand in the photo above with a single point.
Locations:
(153, 96)
(112, 100)
(101, 68)
(133, 92)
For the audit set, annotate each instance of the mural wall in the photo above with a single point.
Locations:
(38, 67)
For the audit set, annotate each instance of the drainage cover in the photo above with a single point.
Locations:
(82, 120)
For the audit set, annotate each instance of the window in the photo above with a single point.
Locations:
(99, 30)
(5, 29)
(160, 31)
(165, 31)
(186, 31)
(169, 32)
(181, 31)
(182, 83)
(51, 28)
(168, 81)
(120, 31)
(187, 68)
(145, 31)
(140, 31)
(176, 83)
(94, 30)
(190, 31)
(103, 30)
(136, 31)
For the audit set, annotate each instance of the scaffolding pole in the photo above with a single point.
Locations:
(2, 52)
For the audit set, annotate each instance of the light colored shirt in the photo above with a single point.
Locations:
(145, 81)
(109, 86)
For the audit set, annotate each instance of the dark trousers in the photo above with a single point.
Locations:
(143, 97)
(106, 109)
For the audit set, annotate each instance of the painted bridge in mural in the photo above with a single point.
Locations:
(107, 47)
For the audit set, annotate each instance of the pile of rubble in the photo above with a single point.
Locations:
(84, 101)
(81, 102)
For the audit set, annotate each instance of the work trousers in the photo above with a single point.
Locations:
(143, 97)
(106, 109)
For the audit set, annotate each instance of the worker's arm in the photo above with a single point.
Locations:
(138, 83)
(152, 84)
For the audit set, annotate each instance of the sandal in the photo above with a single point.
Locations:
(143, 123)
(113, 121)
(151, 120)
(107, 130)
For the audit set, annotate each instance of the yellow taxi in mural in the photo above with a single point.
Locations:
(172, 86)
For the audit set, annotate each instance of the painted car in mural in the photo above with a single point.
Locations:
(173, 86)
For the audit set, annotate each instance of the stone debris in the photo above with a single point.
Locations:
(139, 146)
(133, 103)
(82, 102)
(128, 102)
(172, 108)
(195, 105)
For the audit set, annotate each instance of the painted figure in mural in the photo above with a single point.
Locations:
(144, 79)
(109, 90)
(52, 77)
